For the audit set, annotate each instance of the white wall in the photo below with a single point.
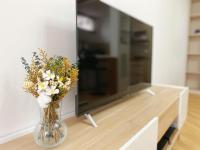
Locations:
(28, 24)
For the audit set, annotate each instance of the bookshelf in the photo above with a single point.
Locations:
(193, 56)
(195, 16)
(195, 1)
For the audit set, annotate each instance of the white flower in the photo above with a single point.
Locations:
(42, 70)
(52, 90)
(53, 83)
(42, 86)
(43, 100)
(67, 87)
(28, 84)
(68, 82)
(48, 75)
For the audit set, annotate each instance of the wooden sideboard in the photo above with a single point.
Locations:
(118, 122)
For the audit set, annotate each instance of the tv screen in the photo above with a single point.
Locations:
(114, 51)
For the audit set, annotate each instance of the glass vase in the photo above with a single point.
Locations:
(50, 131)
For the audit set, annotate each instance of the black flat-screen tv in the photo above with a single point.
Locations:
(114, 52)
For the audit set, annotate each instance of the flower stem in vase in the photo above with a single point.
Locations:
(49, 79)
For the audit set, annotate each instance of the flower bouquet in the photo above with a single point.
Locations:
(49, 80)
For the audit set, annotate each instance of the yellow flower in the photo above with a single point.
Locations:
(60, 81)
(67, 63)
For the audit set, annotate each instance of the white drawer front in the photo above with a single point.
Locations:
(183, 107)
(145, 139)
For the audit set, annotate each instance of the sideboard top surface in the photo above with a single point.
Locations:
(117, 123)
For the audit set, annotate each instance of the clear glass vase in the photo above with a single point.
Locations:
(50, 131)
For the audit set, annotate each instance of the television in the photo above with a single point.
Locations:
(114, 52)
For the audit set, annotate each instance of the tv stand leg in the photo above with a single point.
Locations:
(89, 117)
(150, 92)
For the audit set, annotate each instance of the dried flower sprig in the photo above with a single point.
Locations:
(43, 56)
(49, 77)
(26, 65)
